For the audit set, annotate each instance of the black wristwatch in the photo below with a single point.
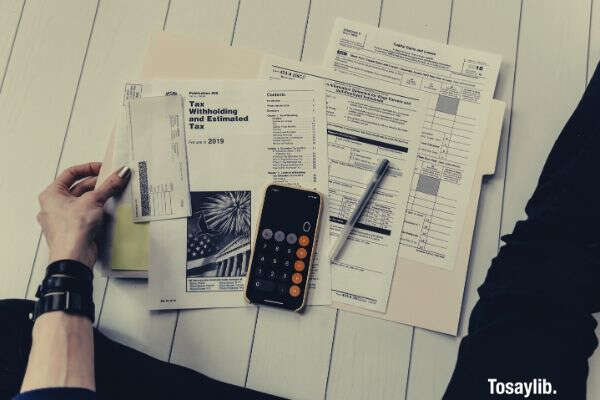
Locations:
(67, 287)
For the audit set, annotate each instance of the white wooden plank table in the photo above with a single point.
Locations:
(61, 67)
(549, 82)
(40, 84)
(116, 45)
(10, 15)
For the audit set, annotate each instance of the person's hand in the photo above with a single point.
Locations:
(71, 211)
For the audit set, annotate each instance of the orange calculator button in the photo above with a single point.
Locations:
(294, 291)
(296, 278)
(299, 265)
(301, 252)
(303, 240)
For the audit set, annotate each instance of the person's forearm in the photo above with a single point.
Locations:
(62, 353)
(71, 210)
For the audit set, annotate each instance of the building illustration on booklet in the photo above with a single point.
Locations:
(218, 238)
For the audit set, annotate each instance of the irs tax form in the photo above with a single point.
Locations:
(365, 123)
(459, 84)
(241, 136)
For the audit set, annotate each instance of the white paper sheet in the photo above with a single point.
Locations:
(365, 123)
(241, 136)
(159, 179)
(461, 84)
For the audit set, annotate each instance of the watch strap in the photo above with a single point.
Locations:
(71, 268)
(69, 302)
(60, 283)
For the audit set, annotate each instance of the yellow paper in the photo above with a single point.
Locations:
(130, 241)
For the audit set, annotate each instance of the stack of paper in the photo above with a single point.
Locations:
(242, 135)
(426, 107)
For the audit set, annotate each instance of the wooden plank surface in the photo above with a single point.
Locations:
(370, 358)
(594, 39)
(116, 45)
(290, 356)
(273, 26)
(210, 19)
(551, 76)
(125, 319)
(428, 19)
(321, 17)
(491, 26)
(10, 14)
(37, 96)
(215, 342)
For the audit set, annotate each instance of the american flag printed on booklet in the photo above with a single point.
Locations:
(218, 237)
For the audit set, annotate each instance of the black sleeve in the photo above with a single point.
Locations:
(57, 393)
(532, 328)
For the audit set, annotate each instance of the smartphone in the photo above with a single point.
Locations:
(284, 248)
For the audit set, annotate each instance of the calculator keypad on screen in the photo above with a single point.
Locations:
(280, 265)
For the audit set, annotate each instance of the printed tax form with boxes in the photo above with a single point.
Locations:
(206, 129)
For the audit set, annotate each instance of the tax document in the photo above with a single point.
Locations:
(241, 136)
(365, 123)
(460, 84)
(159, 180)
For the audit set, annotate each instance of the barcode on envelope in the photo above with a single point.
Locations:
(143, 180)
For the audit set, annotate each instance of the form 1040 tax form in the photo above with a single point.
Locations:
(459, 85)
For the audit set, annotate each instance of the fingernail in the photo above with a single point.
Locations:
(124, 172)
